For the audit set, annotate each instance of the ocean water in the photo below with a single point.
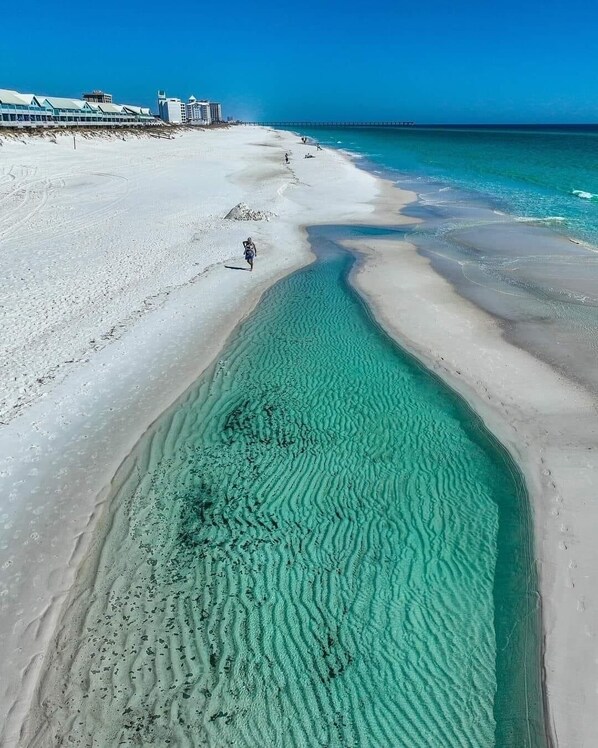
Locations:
(510, 217)
(542, 172)
(320, 545)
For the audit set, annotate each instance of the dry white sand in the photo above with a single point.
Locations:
(549, 424)
(115, 296)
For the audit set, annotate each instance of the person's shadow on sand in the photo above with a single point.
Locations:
(235, 267)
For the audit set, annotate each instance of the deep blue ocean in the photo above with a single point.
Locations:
(529, 172)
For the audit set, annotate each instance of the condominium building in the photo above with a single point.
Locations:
(171, 109)
(215, 112)
(98, 97)
(32, 110)
(194, 112)
(198, 112)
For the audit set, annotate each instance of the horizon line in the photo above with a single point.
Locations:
(405, 123)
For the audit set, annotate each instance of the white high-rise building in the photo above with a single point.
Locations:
(198, 112)
(194, 112)
(171, 109)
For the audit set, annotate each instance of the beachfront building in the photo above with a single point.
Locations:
(31, 110)
(215, 112)
(171, 109)
(114, 113)
(68, 111)
(98, 97)
(17, 108)
(198, 112)
(194, 112)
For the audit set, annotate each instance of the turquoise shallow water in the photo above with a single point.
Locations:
(544, 172)
(319, 546)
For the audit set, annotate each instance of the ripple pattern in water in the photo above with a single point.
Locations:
(303, 553)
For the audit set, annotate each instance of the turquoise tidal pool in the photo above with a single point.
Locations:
(320, 545)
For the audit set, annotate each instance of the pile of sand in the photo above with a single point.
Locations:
(242, 212)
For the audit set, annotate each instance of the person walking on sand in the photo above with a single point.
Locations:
(286, 158)
(250, 251)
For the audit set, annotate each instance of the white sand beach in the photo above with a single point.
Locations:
(117, 294)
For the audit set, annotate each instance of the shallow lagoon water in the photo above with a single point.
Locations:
(320, 545)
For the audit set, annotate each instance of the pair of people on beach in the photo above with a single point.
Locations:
(250, 251)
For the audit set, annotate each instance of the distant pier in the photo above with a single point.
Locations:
(331, 124)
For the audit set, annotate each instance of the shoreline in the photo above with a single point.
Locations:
(61, 452)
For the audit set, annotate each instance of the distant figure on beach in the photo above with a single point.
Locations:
(250, 251)
(309, 155)
(304, 140)
(286, 158)
(318, 146)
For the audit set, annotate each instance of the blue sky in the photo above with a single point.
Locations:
(452, 61)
